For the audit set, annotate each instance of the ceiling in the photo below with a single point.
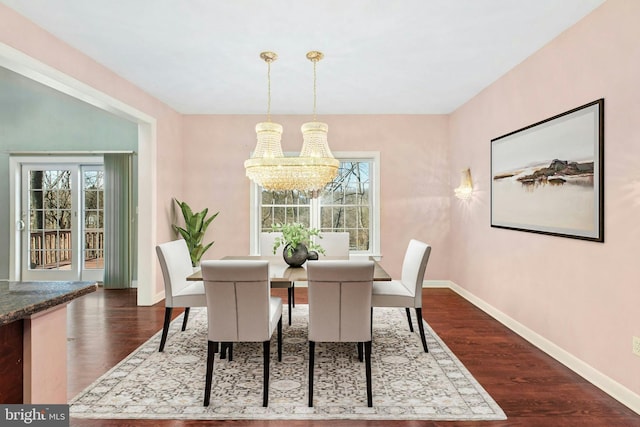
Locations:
(381, 56)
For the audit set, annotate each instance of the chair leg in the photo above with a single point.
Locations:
(312, 350)
(367, 359)
(212, 349)
(280, 339)
(359, 344)
(409, 318)
(371, 322)
(266, 351)
(290, 301)
(186, 318)
(293, 294)
(226, 348)
(421, 327)
(165, 327)
(229, 346)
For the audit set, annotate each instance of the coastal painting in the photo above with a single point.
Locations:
(549, 177)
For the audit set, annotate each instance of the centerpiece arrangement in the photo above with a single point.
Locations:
(297, 242)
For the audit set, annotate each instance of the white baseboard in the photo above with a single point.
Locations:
(159, 296)
(156, 298)
(436, 284)
(595, 377)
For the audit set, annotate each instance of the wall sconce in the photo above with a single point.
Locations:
(465, 189)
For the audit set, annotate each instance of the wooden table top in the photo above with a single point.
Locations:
(282, 272)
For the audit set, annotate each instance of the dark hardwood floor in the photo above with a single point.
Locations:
(532, 388)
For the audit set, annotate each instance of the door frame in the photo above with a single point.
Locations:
(15, 193)
(150, 290)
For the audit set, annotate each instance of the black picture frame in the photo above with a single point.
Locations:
(548, 177)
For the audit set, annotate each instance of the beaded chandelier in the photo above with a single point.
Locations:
(312, 169)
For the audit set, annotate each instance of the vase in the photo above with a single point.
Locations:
(298, 256)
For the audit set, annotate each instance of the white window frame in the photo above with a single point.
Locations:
(374, 246)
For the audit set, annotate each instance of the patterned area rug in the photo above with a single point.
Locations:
(408, 384)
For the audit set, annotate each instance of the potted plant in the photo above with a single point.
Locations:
(193, 233)
(298, 246)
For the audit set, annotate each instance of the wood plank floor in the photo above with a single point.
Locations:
(532, 388)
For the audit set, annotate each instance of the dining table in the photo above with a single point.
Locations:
(284, 276)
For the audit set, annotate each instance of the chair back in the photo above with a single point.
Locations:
(266, 242)
(335, 244)
(413, 268)
(340, 300)
(175, 262)
(237, 294)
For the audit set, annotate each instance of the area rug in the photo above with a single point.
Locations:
(408, 384)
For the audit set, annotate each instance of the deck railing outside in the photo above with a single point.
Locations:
(53, 249)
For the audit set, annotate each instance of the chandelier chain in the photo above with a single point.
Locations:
(268, 91)
(314, 89)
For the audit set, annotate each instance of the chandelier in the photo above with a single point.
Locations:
(312, 169)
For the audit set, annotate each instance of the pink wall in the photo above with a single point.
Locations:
(415, 189)
(582, 296)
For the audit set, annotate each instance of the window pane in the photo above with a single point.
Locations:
(65, 220)
(267, 218)
(51, 219)
(36, 220)
(267, 197)
(279, 216)
(326, 221)
(361, 241)
(50, 199)
(351, 217)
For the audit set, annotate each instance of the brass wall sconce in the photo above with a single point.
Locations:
(465, 189)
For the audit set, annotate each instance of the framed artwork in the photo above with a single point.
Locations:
(549, 177)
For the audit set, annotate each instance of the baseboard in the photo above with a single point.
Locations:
(595, 377)
(436, 284)
(159, 296)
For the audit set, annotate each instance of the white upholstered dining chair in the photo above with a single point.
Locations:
(340, 309)
(266, 242)
(406, 292)
(335, 244)
(240, 309)
(175, 263)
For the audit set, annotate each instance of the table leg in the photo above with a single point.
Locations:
(290, 299)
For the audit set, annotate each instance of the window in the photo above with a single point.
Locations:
(349, 203)
(93, 214)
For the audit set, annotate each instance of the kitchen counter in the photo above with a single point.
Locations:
(19, 300)
(33, 340)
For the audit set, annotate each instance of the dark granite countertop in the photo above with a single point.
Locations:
(19, 300)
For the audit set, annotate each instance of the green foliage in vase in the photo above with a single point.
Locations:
(295, 233)
(193, 233)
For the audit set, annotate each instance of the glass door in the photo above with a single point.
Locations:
(50, 209)
(63, 214)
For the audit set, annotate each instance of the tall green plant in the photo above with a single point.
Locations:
(193, 233)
